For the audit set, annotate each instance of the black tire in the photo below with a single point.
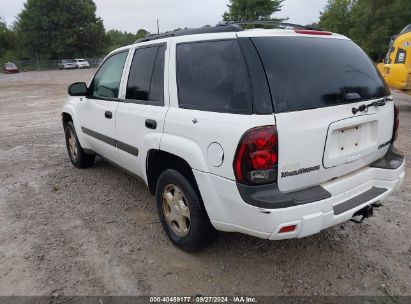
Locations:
(79, 158)
(201, 233)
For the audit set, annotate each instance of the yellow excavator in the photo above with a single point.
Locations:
(396, 67)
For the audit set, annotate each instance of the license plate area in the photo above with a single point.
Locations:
(350, 140)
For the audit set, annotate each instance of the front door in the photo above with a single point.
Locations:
(98, 110)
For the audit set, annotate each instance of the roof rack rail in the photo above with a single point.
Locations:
(154, 37)
(270, 22)
(223, 28)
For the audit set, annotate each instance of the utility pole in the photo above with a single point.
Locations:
(158, 27)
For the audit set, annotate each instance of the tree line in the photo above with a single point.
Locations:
(370, 23)
(57, 29)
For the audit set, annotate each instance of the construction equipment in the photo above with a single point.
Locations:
(396, 67)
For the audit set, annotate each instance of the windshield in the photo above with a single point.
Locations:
(10, 65)
(307, 73)
(80, 60)
(67, 61)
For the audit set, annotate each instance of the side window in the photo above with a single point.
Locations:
(106, 82)
(146, 79)
(212, 76)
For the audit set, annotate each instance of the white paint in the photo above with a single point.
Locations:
(303, 136)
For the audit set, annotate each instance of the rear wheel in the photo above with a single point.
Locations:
(78, 157)
(182, 214)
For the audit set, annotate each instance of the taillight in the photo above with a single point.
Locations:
(396, 123)
(287, 229)
(313, 32)
(256, 158)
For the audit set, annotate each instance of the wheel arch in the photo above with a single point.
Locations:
(69, 114)
(158, 161)
(66, 117)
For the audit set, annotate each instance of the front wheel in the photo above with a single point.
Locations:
(78, 157)
(182, 213)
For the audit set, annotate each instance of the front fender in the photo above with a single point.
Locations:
(69, 107)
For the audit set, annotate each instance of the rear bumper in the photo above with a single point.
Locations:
(228, 211)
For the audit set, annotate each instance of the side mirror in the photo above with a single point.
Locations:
(78, 89)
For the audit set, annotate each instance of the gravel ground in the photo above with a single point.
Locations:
(65, 231)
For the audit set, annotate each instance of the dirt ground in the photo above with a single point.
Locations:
(65, 231)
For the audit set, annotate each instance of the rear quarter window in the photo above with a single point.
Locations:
(307, 73)
(212, 76)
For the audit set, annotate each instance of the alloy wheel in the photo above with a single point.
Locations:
(176, 210)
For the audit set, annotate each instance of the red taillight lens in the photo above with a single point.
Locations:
(396, 123)
(287, 229)
(313, 32)
(257, 156)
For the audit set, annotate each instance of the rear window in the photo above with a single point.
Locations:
(212, 76)
(308, 73)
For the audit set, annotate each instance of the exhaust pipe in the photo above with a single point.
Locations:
(366, 212)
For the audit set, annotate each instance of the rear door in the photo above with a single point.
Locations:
(140, 117)
(316, 82)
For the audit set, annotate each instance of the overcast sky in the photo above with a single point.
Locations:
(131, 15)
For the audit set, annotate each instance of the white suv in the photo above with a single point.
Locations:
(274, 133)
(82, 63)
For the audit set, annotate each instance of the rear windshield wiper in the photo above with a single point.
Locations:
(377, 103)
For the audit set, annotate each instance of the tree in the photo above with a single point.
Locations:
(252, 10)
(374, 22)
(8, 42)
(116, 39)
(4, 40)
(55, 29)
(336, 16)
(370, 23)
(141, 33)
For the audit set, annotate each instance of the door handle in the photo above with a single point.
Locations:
(151, 124)
(108, 115)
